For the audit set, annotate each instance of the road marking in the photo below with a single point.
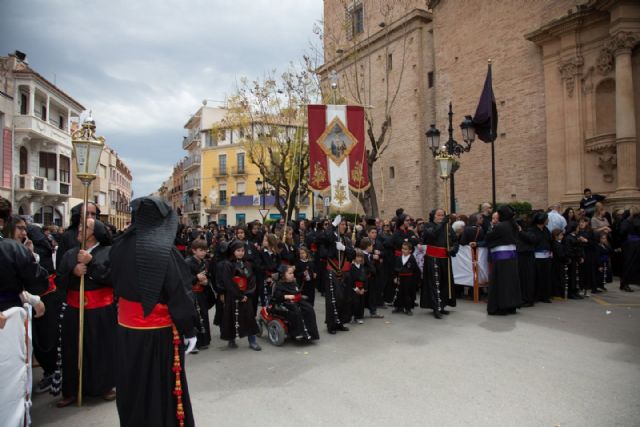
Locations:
(608, 304)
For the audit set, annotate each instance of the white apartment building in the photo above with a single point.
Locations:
(36, 117)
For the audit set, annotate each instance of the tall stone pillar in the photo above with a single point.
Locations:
(626, 138)
(570, 71)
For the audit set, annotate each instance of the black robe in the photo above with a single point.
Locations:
(542, 265)
(408, 277)
(630, 231)
(589, 266)
(575, 253)
(386, 285)
(19, 272)
(358, 280)
(239, 318)
(145, 379)
(301, 318)
(304, 275)
(201, 297)
(437, 280)
(504, 279)
(268, 265)
(336, 286)
(99, 347)
(525, 246)
(559, 269)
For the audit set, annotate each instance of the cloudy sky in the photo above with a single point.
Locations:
(143, 66)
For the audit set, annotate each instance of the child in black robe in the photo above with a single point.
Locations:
(407, 277)
(202, 292)
(603, 254)
(239, 284)
(559, 265)
(359, 284)
(301, 318)
(306, 274)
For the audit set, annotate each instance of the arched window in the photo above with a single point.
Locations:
(606, 107)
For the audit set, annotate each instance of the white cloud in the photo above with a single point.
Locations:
(144, 66)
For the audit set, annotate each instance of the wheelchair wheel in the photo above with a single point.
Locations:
(277, 334)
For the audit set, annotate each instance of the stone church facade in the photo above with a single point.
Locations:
(566, 76)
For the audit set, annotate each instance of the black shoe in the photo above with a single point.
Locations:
(596, 291)
(437, 314)
(409, 313)
(575, 296)
(527, 304)
(604, 289)
(546, 301)
(397, 310)
(443, 311)
(331, 331)
(232, 344)
(342, 328)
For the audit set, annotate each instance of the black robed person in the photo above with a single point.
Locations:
(156, 310)
(504, 280)
(437, 289)
(99, 364)
(339, 251)
(239, 282)
(630, 231)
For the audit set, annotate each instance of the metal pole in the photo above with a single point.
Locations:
(450, 150)
(446, 230)
(86, 184)
(493, 174)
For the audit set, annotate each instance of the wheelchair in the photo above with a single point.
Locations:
(273, 319)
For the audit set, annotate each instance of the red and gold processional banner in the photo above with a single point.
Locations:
(337, 151)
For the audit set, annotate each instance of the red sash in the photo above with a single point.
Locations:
(405, 274)
(359, 284)
(397, 253)
(332, 265)
(297, 297)
(437, 252)
(92, 299)
(131, 315)
(285, 262)
(181, 248)
(241, 282)
(52, 285)
(314, 247)
(197, 289)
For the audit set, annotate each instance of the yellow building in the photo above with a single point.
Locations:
(229, 192)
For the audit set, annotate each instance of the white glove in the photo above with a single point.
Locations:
(340, 246)
(190, 343)
(337, 220)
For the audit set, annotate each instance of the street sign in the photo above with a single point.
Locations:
(327, 202)
(263, 212)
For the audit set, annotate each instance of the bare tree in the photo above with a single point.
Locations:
(270, 113)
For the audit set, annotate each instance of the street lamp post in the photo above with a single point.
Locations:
(451, 147)
(87, 148)
(261, 186)
(446, 163)
(333, 78)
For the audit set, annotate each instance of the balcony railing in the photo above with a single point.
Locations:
(190, 185)
(41, 128)
(220, 172)
(217, 206)
(191, 161)
(186, 142)
(190, 207)
(31, 183)
(239, 170)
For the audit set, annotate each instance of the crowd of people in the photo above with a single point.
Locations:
(149, 290)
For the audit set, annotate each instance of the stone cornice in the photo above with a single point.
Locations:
(583, 15)
(393, 30)
(622, 41)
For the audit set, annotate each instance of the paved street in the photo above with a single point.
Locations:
(573, 363)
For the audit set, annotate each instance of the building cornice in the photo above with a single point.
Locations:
(392, 30)
(583, 15)
(30, 73)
